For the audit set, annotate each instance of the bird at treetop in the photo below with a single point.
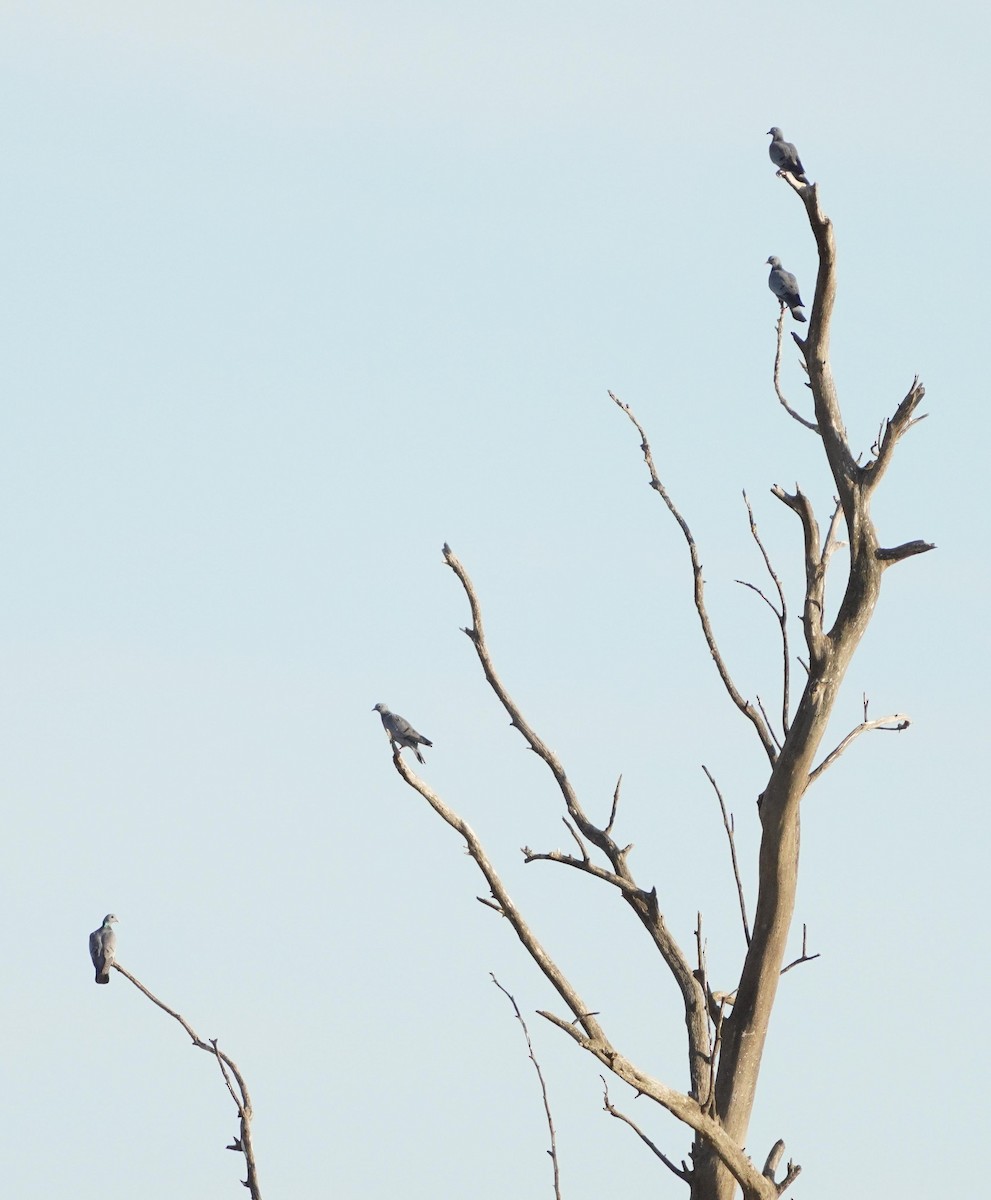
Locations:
(785, 286)
(401, 732)
(102, 947)
(785, 156)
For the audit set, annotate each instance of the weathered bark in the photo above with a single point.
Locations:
(745, 1030)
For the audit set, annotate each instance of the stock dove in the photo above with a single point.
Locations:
(784, 155)
(785, 286)
(401, 732)
(102, 946)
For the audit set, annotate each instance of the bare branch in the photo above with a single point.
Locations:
(543, 1086)
(895, 428)
(771, 1165)
(773, 1158)
(794, 1170)
(615, 806)
(731, 838)
(682, 1172)
(895, 723)
(580, 864)
(748, 709)
(643, 903)
(777, 379)
(895, 554)
(763, 713)
(551, 970)
(815, 573)
(804, 957)
(578, 838)
(585, 1030)
(781, 613)
(241, 1097)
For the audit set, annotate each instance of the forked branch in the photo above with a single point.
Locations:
(543, 1086)
(749, 710)
(584, 1028)
(682, 1172)
(228, 1068)
(895, 723)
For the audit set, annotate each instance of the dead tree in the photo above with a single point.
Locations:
(726, 1033)
(242, 1142)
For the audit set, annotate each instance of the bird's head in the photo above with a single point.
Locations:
(109, 919)
(776, 133)
(774, 261)
(380, 708)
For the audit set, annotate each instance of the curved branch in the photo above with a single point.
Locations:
(748, 709)
(682, 1172)
(581, 864)
(895, 723)
(585, 1029)
(887, 556)
(771, 1165)
(644, 904)
(553, 973)
(543, 1086)
(242, 1144)
(777, 379)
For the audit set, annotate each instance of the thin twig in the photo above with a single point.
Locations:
(770, 727)
(781, 613)
(243, 1144)
(543, 1086)
(731, 838)
(578, 838)
(805, 956)
(626, 886)
(777, 379)
(748, 710)
(682, 1172)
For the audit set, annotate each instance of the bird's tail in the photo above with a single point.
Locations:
(416, 751)
(103, 978)
(797, 313)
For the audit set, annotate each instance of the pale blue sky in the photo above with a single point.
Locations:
(294, 293)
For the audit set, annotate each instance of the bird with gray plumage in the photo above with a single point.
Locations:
(103, 947)
(785, 286)
(785, 156)
(401, 732)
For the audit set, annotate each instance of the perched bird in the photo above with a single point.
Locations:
(785, 156)
(785, 286)
(401, 732)
(102, 946)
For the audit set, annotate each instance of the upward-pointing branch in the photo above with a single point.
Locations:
(750, 711)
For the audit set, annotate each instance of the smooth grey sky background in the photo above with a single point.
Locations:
(294, 293)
